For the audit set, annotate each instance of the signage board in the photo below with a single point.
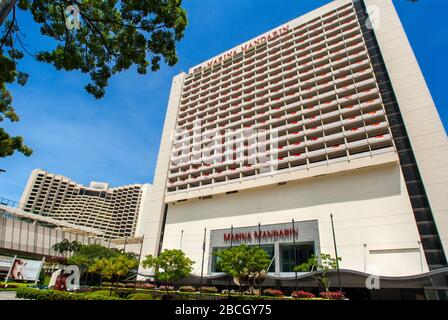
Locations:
(303, 231)
(23, 269)
(6, 262)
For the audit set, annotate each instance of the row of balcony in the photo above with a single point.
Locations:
(281, 151)
(341, 57)
(301, 31)
(323, 94)
(280, 133)
(309, 137)
(348, 126)
(271, 165)
(284, 105)
(328, 90)
(301, 77)
(312, 136)
(300, 51)
(328, 114)
(323, 46)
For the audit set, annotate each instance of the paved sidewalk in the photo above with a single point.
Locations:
(8, 295)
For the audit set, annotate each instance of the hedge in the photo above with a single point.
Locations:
(36, 294)
(141, 296)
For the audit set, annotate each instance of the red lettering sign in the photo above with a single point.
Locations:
(228, 55)
(262, 235)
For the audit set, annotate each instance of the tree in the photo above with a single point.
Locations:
(74, 246)
(95, 37)
(87, 255)
(114, 267)
(66, 246)
(321, 265)
(169, 267)
(61, 247)
(244, 263)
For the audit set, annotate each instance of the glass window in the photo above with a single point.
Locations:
(288, 255)
(269, 248)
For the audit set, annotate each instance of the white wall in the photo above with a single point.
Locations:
(156, 205)
(425, 129)
(143, 212)
(370, 206)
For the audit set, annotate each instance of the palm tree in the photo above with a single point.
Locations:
(74, 246)
(62, 247)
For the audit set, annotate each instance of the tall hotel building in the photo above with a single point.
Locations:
(117, 212)
(326, 114)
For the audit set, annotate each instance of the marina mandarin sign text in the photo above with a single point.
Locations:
(271, 36)
(260, 235)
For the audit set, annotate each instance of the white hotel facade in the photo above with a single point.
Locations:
(322, 115)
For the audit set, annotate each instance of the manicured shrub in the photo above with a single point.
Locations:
(37, 294)
(120, 285)
(336, 295)
(130, 285)
(106, 293)
(302, 295)
(273, 292)
(187, 289)
(93, 296)
(140, 296)
(209, 289)
(147, 286)
(106, 284)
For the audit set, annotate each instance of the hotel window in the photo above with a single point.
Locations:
(269, 248)
(287, 255)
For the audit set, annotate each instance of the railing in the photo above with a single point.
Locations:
(9, 203)
(19, 235)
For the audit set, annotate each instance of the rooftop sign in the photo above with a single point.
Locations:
(246, 46)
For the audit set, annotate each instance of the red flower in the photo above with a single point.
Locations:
(273, 292)
(302, 294)
(337, 295)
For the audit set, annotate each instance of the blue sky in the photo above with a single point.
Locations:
(116, 139)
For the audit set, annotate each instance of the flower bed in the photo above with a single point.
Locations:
(147, 286)
(273, 293)
(209, 289)
(164, 288)
(187, 289)
(337, 295)
(302, 295)
(141, 294)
